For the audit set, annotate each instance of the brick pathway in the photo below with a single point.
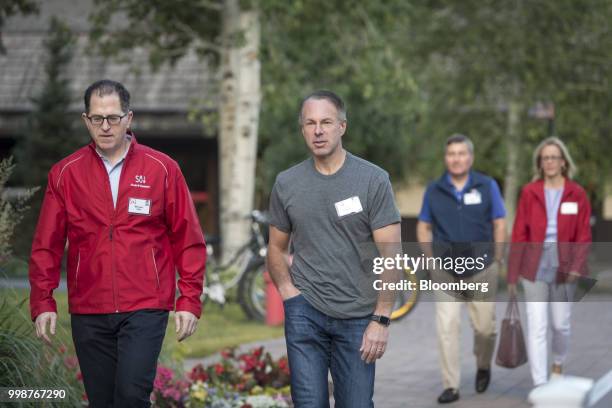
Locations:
(408, 375)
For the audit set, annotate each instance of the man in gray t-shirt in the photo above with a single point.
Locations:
(331, 206)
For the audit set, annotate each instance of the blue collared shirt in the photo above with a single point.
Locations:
(114, 172)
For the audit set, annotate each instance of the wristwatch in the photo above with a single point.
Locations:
(384, 320)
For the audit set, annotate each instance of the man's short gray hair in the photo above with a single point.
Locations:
(328, 96)
(459, 138)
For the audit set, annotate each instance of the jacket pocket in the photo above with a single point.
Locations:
(76, 273)
(154, 263)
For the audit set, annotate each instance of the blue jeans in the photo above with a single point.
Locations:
(316, 344)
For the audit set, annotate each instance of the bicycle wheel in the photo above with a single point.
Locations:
(405, 300)
(252, 290)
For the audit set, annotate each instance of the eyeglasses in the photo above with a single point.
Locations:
(550, 158)
(112, 120)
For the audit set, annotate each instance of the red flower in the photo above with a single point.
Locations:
(249, 363)
(71, 362)
(283, 365)
(257, 352)
(219, 369)
(79, 376)
(84, 397)
(198, 373)
(163, 376)
(62, 349)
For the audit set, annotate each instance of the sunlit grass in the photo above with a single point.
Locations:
(218, 328)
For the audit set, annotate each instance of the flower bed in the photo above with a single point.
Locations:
(248, 380)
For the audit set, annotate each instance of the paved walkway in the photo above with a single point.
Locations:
(408, 375)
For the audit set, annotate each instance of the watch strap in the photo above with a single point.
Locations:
(384, 320)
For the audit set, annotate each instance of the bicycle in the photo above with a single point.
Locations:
(244, 269)
(406, 301)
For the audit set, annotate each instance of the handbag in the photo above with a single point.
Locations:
(511, 351)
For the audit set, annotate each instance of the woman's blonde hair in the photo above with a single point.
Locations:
(568, 170)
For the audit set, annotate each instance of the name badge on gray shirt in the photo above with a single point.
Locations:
(349, 206)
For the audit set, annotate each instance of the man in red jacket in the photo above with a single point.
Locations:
(127, 215)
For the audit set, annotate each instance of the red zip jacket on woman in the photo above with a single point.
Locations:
(529, 231)
(122, 259)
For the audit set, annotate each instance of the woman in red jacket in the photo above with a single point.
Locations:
(550, 242)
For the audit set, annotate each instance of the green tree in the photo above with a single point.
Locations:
(226, 33)
(484, 64)
(343, 46)
(412, 73)
(50, 135)
(350, 48)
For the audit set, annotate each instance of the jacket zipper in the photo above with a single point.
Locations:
(110, 233)
(155, 266)
(76, 277)
(111, 226)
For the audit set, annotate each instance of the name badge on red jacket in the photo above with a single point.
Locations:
(139, 206)
(569, 208)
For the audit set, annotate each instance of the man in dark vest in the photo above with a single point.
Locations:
(463, 217)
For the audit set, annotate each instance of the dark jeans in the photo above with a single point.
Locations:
(316, 344)
(118, 355)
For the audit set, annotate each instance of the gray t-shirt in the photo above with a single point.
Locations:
(331, 219)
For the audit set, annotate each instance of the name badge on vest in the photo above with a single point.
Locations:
(139, 206)
(569, 208)
(472, 198)
(349, 206)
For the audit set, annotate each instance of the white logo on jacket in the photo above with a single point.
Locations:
(140, 181)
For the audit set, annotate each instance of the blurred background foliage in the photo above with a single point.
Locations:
(412, 73)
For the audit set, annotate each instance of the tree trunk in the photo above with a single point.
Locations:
(239, 120)
(513, 140)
